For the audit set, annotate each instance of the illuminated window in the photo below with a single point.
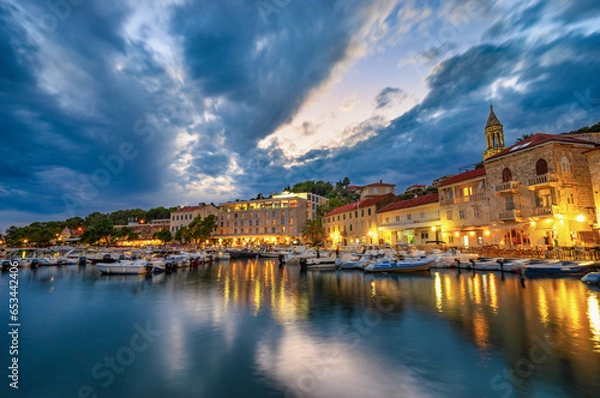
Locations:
(449, 215)
(565, 165)
(462, 214)
(506, 175)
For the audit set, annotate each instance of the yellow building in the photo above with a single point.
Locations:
(259, 221)
(375, 189)
(356, 222)
(412, 221)
(464, 209)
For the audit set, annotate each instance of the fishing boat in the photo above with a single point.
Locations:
(496, 264)
(125, 267)
(241, 253)
(421, 264)
(322, 267)
(593, 278)
(534, 268)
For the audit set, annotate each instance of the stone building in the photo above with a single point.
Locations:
(494, 135)
(464, 209)
(412, 221)
(593, 158)
(541, 191)
(258, 221)
(356, 222)
(313, 202)
(184, 215)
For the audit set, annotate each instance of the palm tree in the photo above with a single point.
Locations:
(523, 138)
(313, 231)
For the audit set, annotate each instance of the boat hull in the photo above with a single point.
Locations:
(123, 269)
(400, 267)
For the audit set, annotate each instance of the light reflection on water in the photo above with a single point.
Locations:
(255, 329)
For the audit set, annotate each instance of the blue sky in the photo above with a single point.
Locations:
(121, 104)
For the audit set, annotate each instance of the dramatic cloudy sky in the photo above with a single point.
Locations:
(120, 104)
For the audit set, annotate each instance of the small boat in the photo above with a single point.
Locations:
(422, 264)
(125, 267)
(496, 264)
(243, 253)
(593, 278)
(322, 267)
(556, 267)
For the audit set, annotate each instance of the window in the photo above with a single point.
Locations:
(241, 223)
(338, 218)
(273, 230)
(256, 230)
(449, 215)
(397, 218)
(506, 175)
(362, 213)
(424, 236)
(356, 214)
(387, 220)
(541, 167)
(409, 216)
(250, 223)
(344, 217)
(545, 197)
(235, 231)
(570, 196)
(282, 221)
(509, 201)
(273, 213)
(290, 230)
(350, 227)
(266, 230)
(422, 214)
(565, 165)
(369, 211)
(350, 215)
(257, 223)
(462, 214)
(273, 221)
(476, 212)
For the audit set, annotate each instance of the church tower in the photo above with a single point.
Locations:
(494, 135)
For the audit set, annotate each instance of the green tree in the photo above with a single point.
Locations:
(182, 234)
(101, 229)
(523, 138)
(200, 229)
(163, 235)
(74, 222)
(133, 235)
(313, 231)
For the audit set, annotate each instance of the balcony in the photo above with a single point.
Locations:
(507, 187)
(510, 215)
(447, 202)
(541, 181)
(544, 211)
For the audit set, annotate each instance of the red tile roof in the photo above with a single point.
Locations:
(370, 201)
(418, 201)
(375, 184)
(464, 176)
(187, 208)
(538, 139)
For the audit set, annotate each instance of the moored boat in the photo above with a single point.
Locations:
(593, 278)
(421, 264)
(556, 268)
(125, 267)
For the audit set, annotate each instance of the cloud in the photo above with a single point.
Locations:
(388, 95)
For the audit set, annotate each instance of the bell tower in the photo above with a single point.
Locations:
(494, 135)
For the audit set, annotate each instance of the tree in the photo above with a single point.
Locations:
(523, 138)
(201, 229)
(163, 235)
(102, 228)
(313, 231)
(182, 234)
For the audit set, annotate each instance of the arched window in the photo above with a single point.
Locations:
(506, 175)
(541, 167)
(565, 165)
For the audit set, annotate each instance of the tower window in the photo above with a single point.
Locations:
(565, 165)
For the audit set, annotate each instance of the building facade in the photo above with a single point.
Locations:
(412, 221)
(183, 216)
(259, 221)
(464, 209)
(375, 189)
(313, 202)
(356, 223)
(542, 192)
(593, 158)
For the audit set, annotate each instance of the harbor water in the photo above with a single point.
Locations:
(250, 328)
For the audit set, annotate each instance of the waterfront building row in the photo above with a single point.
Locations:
(541, 191)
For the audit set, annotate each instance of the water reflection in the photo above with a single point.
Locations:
(276, 330)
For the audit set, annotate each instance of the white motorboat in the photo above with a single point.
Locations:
(421, 264)
(125, 267)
